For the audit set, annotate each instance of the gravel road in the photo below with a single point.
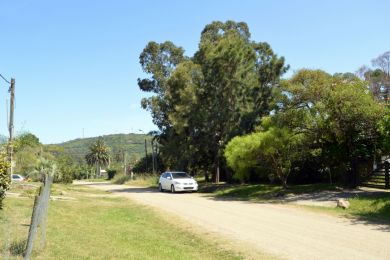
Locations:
(279, 230)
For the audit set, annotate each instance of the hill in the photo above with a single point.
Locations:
(132, 144)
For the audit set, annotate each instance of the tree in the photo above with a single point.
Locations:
(275, 149)
(201, 102)
(98, 155)
(378, 76)
(26, 140)
(43, 167)
(336, 113)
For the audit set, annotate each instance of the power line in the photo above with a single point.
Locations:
(5, 79)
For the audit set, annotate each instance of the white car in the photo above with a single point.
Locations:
(177, 181)
(17, 178)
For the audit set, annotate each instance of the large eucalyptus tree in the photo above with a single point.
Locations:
(201, 102)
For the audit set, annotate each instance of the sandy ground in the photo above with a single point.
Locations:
(280, 230)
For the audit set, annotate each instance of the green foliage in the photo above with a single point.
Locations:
(66, 169)
(121, 178)
(42, 167)
(26, 140)
(275, 149)
(27, 150)
(328, 122)
(200, 103)
(119, 145)
(111, 174)
(4, 178)
(98, 155)
(384, 129)
(140, 166)
(337, 114)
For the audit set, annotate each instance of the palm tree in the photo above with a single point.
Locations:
(42, 168)
(98, 155)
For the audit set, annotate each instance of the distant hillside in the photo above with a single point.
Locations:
(132, 144)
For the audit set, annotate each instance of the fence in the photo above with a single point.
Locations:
(39, 216)
(380, 178)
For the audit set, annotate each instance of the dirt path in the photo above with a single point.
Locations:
(276, 229)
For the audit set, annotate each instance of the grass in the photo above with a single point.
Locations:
(98, 226)
(373, 207)
(144, 180)
(259, 192)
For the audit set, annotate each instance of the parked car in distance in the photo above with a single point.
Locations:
(17, 178)
(177, 181)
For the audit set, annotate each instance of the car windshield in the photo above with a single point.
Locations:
(180, 175)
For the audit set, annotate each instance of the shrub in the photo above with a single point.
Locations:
(111, 174)
(120, 178)
(4, 179)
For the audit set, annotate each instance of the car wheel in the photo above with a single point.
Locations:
(160, 189)
(172, 188)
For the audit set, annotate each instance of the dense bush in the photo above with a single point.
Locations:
(111, 174)
(121, 178)
(323, 127)
(140, 166)
(4, 179)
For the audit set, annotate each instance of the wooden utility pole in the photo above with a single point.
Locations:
(11, 123)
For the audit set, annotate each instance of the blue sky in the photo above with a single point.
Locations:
(76, 62)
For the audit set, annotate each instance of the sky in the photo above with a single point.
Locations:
(76, 62)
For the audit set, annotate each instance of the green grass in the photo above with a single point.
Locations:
(144, 180)
(98, 226)
(373, 208)
(259, 192)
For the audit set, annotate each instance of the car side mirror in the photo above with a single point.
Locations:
(169, 178)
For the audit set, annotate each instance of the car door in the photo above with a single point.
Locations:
(163, 180)
(169, 181)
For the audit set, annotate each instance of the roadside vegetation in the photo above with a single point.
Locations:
(373, 206)
(227, 114)
(144, 180)
(260, 192)
(77, 230)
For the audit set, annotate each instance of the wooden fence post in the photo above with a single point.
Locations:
(39, 216)
(33, 226)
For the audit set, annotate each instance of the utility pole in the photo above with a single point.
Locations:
(11, 123)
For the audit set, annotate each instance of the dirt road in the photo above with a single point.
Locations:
(276, 229)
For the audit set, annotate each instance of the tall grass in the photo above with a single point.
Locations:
(144, 179)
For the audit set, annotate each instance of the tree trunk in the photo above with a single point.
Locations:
(97, 170)
(217, 174)
(284, 183)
